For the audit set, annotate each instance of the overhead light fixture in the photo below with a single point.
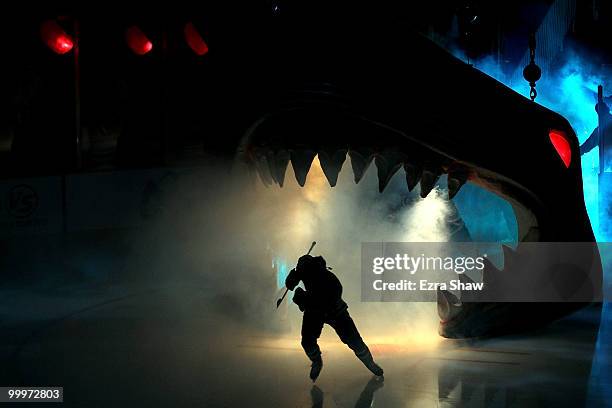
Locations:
(55, 37)
(195, 40)
(138, 41)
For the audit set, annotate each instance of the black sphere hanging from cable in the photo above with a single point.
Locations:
(532, 72)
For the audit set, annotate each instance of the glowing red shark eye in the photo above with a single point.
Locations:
(562, 146)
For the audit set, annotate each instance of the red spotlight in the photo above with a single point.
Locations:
(195, 40)
(55, 37)
(138, 41)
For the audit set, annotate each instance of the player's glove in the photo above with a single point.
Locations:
(300, 298)
(292, 280)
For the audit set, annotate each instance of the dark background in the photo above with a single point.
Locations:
(172, 106)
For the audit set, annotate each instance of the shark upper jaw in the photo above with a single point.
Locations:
(298, 133)
(334, 135)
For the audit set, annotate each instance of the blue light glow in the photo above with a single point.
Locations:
(280, 266)
(570, 90)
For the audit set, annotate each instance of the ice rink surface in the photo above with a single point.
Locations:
(158, 347)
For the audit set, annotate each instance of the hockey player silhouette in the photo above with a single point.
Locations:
(322, 303)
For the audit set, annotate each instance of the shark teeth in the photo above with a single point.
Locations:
(260, 161)
(331, 163)
(277, 163)
(429, 179)
(271, 165)
(510, 256)
(448, 305)
(301, 160)
(468, 296)
(413, 175)
(388, 164)
(456, 180)
(498, 284)
(360, 162)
